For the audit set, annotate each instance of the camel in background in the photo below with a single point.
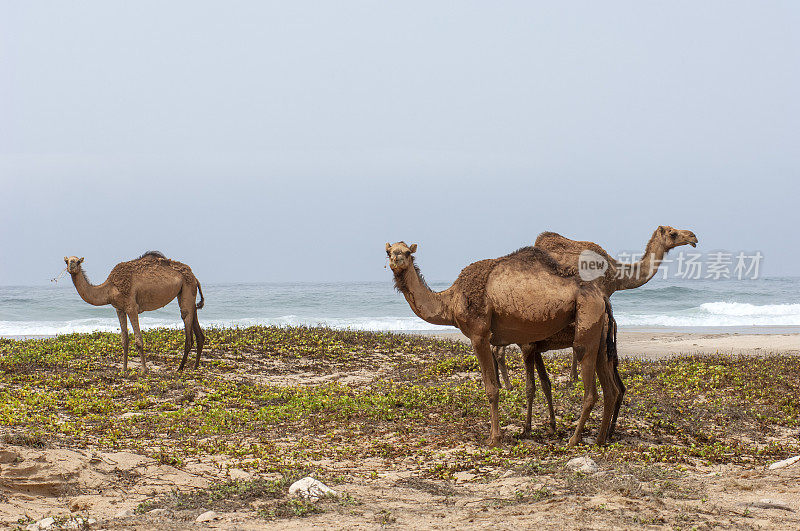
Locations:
(148, 283)
(521, 298)
(617, 276)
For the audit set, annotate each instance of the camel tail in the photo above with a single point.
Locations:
(202, 299)
(611, 337)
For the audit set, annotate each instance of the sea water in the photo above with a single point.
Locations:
(769, 304)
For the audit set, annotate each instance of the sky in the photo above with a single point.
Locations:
(289, 141)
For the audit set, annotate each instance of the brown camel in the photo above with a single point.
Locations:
(520, 298)
(617, 276)
(148, 283)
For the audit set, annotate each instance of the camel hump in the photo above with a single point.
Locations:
(559, 245)
(541, 256)
(154, 254)
(547, 235)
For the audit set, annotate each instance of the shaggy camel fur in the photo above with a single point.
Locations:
(617, 276)
(520, 298)
(148, 283)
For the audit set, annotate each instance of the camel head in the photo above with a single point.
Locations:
(675, 237)
(73, 264)
(400, 255)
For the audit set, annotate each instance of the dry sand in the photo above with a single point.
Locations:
(655, 345)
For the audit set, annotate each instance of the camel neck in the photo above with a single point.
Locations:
(633, 275)
(427, 304)
(95, 295)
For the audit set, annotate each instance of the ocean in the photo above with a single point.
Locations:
(768, 304)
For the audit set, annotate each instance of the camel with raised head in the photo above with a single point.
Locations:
(613, 277)
(148, 283)
(520, 298)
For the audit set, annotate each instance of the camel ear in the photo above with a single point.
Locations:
(388, 246)
(80, 260)
(413, 248)
(661, 229)
(66, 260)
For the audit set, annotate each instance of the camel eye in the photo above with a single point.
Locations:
(407, 253)
(673, 235)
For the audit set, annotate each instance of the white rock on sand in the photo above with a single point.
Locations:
(78, 523)
(583, 464)
(44, 523)
(239, 474)
(784, 463)
(207, 516)
(310, 488)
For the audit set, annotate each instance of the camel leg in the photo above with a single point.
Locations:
(501, 369)
(188, 329)
(530, 388)
(546, 387)
(573, 371)
(589, 395)
(589, 315)
(483, 351)
(123, 326)
(495, 358)
(201, 339)
(620, 393)
(605, 375)
(137, 336)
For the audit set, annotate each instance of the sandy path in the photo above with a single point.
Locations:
(654, 345)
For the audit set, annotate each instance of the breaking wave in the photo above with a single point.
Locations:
(720, 314)
(374, 324)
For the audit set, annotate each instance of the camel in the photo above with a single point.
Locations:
(521, 298)
(617, 276)
(148, 283)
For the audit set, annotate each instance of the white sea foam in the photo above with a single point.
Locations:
(375, 324)
(712, 314)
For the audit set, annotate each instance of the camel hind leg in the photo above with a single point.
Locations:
(589, 320)
(500, 366)
(201, 339)
(186, 303)
(573, 371)
(620, 394)
(605, 374)
(188, 329)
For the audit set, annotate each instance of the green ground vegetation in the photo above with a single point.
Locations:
(275, 399)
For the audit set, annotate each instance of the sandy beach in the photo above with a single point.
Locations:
(653, 345)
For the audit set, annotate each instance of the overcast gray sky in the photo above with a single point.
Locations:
(269, 141)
